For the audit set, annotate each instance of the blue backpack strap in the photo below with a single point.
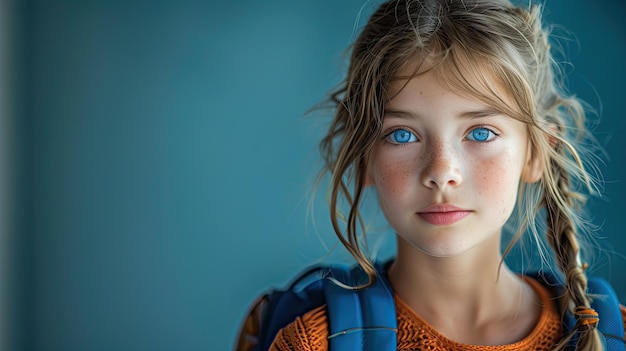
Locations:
(282, 306)
(360, 320)
(606, 304)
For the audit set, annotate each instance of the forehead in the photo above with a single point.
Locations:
(470, 77)
(425, 92)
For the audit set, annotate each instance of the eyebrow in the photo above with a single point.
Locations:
(483, 113)
(489, 112)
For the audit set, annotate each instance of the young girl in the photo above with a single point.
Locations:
(454, 111)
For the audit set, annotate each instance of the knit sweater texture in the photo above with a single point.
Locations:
(310, 332)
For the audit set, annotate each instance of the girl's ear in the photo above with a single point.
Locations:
(369, 179)
(533, 168)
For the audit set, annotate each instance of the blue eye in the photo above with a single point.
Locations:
(481, 134)
(401, 136)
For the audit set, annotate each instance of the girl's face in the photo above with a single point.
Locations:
(448, 168)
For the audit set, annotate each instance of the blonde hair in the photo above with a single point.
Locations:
(471, 45)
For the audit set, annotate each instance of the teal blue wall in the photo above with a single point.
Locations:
(165, 159)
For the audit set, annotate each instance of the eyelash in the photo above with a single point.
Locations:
(389, 133)
(490, 138)
(489, 130)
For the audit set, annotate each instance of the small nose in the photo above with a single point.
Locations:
(441, 168)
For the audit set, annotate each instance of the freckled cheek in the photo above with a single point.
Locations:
(395, 176)
(497, 180)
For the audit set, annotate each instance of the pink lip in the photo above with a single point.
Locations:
(443, 214)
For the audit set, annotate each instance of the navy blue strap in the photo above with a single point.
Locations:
(606, 304)
(365, 319)
(360, 320)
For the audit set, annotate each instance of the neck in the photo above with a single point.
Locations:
(460, 293)
(477, 268)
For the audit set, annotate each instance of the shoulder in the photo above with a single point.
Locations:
(607, 305)
(308, 332)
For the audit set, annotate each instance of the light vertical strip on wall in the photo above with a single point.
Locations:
(6, 177)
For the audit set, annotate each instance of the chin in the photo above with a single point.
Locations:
(443, 252)
(441, 247)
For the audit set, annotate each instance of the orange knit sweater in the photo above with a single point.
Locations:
(310, 332)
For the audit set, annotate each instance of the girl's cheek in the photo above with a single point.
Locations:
(489, 176)
(498, 180)
(393, 176)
